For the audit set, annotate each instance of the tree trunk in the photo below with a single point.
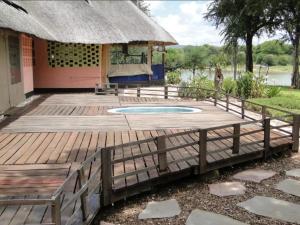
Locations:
(194, 72)
(295, 75)
(249, 56)
(234, 59)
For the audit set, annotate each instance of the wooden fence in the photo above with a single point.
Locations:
(91, 186)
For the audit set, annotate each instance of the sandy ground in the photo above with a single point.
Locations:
(193, 193)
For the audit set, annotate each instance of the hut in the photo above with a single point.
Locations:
(72, 45)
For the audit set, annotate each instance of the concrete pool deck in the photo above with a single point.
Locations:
(87, 112)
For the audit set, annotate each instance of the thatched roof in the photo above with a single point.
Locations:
(97, 22)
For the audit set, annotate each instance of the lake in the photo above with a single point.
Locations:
(282, 79)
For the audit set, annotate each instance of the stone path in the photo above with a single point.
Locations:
(289, 186)
(227, 189)
(293, 173)
(254, 175)
(274, 208)
(198, 217)
(163, 209)
(260, 205)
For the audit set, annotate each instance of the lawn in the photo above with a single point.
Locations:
(288, 99)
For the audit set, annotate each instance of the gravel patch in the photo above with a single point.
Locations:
(193, 193)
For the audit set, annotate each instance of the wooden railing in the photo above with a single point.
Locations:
(91, 186)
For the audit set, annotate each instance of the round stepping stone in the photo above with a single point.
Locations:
(293, 173)
(163, 209)
(289, 186)
(200, 217)
(227, 189)
(273, 208)
(254, 175)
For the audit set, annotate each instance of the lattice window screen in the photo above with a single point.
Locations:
(73, 55)
(27, 51)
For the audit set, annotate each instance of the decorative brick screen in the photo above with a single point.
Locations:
(73, 55)
(27, 51)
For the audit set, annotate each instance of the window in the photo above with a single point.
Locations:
(128, 54)
(14, 59)
(73, 55)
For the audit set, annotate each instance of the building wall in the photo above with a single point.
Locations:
(27, 64)
(62, 77)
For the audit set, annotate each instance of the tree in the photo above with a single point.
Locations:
(194, 59)
(142, 5)
(290, 16)
(242, 19)
(174, 59)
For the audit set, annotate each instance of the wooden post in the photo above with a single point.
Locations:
(55, 211)
(97, 88)
(162, 156)
(166, 92)
(83, 196)
(263, 112)
(216, 98)
(243, 108)
(202, 151)
(138, 91)
(296, 125)
(116, 90)
(227, 102)
(236, 138)
(267, 136)
(106, 174)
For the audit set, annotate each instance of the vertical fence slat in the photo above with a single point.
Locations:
(236, 138)
(296, 126)
(106, 174)
(243, 108)
(202, 151)
(138, 91)
(162, 156)
(55, 211)
(116, 90)
(215, 98)
(227, 102)
(166, 92)
(267, 136)
(83, 196)
(263, 112)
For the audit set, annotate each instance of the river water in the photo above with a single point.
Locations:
(282, 79)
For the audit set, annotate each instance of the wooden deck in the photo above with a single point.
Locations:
(37, 157)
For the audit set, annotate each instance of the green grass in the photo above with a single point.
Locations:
(288, 99)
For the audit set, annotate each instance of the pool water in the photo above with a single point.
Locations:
(154, 110)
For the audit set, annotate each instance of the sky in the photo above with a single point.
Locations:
(184, 21)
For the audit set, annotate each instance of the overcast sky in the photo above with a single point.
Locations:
(184, 20)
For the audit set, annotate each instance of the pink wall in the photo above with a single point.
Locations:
(61, 77)
(27, 69)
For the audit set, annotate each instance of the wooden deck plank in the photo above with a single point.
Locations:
(50, 148)
(58, 149)
(129, 164)
(149, 160)
(14, 148)
(13, 156)
(68, 148)
(139, 162)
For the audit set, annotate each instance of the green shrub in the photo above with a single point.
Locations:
(258, 87)
(244, 85)
(249, 86)
(273, 91)
(195, 88)
(173, 77)
(284, 60)
(229, 86)
(200, 83)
